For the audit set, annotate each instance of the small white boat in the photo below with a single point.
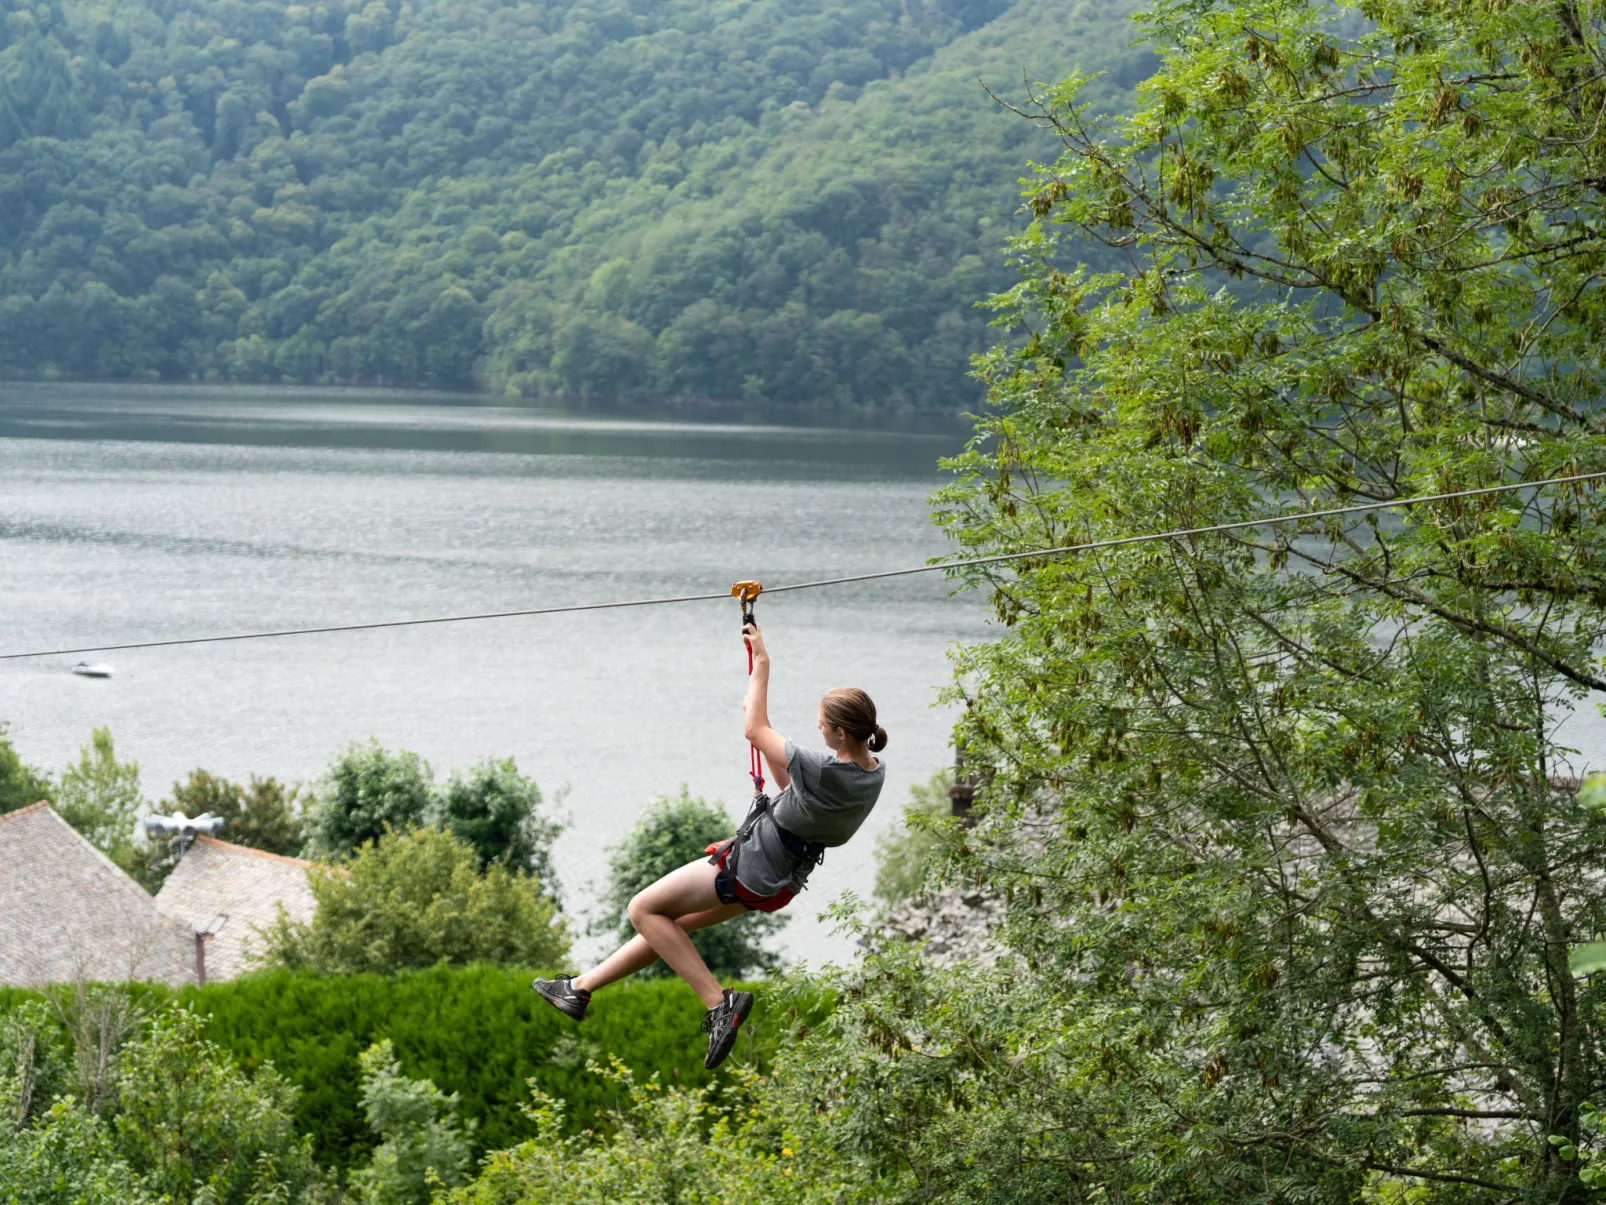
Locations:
(85, 670)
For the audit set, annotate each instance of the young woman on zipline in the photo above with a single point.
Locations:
(824, 798)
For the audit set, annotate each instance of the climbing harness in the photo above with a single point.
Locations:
(747, 594)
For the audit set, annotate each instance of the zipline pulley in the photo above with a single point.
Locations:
(748, 593)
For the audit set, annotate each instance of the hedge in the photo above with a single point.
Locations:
(478, 1031)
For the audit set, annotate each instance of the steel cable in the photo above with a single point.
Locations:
(723, 595)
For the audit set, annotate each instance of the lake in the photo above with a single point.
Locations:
(152, 513)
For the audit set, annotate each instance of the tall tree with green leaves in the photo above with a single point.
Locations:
(263, 815)
(20, 783)
(100, 796)
(500, 813)
(1286, 816)
(367, 791)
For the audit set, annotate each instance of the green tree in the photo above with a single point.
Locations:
(423, 1147)
(1290, 843)
(673, 831)
(100, 797)
(907, 853)
(262, 815)
(20, 783)
(367, 791)
(417, 898)
(498, 811)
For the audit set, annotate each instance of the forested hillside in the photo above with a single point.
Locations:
(783, 200)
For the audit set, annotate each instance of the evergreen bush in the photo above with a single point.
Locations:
(478, 1032)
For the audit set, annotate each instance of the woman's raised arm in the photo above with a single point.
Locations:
(756, 709)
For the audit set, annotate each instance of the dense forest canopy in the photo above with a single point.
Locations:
(782, 200)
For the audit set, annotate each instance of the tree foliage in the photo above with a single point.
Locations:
(20, 784)
(786, 200)
(367, 792)
(673, 831)
(498, 811)
(423, 1147)
(906, 854)
(1291, 842)
(263, 815)
(415, 899)
(100, 796)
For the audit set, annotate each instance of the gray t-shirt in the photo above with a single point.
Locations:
(826, 802)
(828, 799)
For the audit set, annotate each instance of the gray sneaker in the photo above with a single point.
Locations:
(721, 1022)
(562, 995)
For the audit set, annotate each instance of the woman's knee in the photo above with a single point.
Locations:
(637, 909)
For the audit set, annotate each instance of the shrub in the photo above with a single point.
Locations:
(67, 1158)
(415, 899)
(673, 832)
(187, 1118)
(665, 1145)
(172, 1118)
(35, 1063)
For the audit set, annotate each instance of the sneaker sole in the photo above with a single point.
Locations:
(743, 1005)
(558, 1002)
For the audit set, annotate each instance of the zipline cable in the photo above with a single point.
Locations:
(936, 567)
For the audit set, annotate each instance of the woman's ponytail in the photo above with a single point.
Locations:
(851, 710)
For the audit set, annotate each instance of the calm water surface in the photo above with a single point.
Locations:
(140, 513)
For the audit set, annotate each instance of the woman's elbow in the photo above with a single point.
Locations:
(751, 731)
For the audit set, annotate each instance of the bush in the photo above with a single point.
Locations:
(478, 1032)
(67, 1158)
(666, 1145)
(415, 899)
(188, 1119)
(673, 832)
(180, 1121)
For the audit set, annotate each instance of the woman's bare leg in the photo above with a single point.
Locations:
(655, 912)
(636, 955)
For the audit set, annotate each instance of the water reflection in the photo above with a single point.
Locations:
(787, 444)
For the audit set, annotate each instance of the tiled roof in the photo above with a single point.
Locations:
(218, 879)
(66, 911)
